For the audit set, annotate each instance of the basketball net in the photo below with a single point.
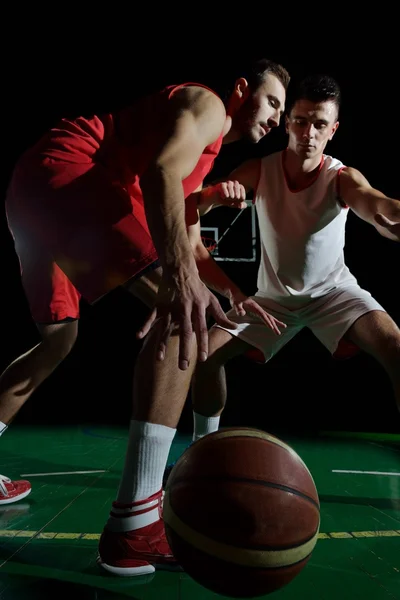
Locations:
(210, 243)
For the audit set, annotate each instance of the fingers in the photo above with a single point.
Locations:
(275, 325)
(219, 315)
(239, 309)
(233, 190)
(144, 330)
(271, 322)
(185, 339)
(243, 193)
(201, 331)
(166, 328)
(165, 331)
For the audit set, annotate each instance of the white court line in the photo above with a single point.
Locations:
(62, 473)
(367, 473)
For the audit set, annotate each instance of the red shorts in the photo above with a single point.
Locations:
(77, 232)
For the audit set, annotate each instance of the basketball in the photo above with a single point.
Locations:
(241, 512)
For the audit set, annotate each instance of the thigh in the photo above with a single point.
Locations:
(96, 232)
(376, 333)
(51, 296)
(330, 318)
(224, 345)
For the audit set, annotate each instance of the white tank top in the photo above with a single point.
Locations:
(302, 234)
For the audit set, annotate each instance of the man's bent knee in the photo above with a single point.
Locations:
(58, 339)
(222, 347)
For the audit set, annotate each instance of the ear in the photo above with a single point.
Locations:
(242, 88)
(286, 124)
(334, 128)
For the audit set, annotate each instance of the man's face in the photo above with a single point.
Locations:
(261, 109)
(310, 126)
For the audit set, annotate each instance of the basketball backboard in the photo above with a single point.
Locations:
(234, 233)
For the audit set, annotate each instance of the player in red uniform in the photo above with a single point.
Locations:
(95, 204)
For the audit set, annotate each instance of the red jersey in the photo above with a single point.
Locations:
(75, 206)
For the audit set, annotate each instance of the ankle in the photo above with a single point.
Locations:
(204, 425)
(135, 515)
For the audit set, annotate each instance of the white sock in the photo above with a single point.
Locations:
(3, 427)
(146, 458)
(204, 425)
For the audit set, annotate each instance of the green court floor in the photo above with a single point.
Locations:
(48, 542)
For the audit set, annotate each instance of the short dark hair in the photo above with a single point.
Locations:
(255, 74)
(315, 88)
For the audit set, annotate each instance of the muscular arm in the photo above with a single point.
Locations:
(196, 119)
(368, 202)
(248, 174)
(229, 194)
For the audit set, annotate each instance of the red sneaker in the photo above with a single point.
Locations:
(139, 551)
(12, 491)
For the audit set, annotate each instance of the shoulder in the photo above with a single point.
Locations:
(349, 173)
(197, 98)
(333, 165)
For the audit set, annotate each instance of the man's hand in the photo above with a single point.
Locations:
(243, 305)
(184, 301)
(393, 227)
(226, 193)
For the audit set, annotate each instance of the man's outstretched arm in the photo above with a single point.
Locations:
(370, 204)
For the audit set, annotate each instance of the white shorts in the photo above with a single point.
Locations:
(328, 317)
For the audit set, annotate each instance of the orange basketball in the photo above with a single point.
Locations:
(241, 512)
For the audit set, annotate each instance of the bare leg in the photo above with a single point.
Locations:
(209, 382)
(24, 375)
(160, 391)
(377, 334)
(160, 388)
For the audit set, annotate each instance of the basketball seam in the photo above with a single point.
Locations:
(253, 567)
(245, 557)
(234, 433)
(269, 484)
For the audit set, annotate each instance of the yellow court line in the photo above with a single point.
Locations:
(47, 535)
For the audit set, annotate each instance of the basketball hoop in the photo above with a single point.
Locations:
(209, 243)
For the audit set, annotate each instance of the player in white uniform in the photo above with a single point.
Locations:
(302, 197)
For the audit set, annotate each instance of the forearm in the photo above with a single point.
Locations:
(387, 206)
(213, 276)
(391, 209)
(165, 212)
(201, 198)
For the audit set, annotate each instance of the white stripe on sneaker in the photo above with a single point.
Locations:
(121, 524)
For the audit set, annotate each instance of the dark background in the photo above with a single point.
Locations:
(301, 389)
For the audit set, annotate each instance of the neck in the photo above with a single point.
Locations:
(229, 133)
(298, 169)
